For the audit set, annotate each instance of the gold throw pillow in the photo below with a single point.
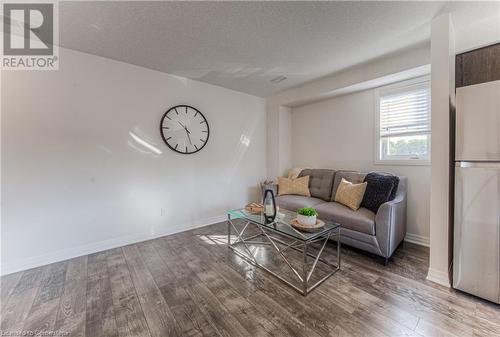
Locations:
(299, 186)
(350, 194)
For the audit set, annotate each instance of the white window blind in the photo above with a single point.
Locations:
(406, 112)
(404, 122)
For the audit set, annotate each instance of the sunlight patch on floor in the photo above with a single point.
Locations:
(216, 239)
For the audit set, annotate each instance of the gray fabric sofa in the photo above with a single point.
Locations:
(379, 233)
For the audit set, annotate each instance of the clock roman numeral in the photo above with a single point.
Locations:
(177, 112)
(186, 150)
(203, 140)
(168, 117)
(175, 148)
(196, 147)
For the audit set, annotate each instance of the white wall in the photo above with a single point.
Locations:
(285, 137)
(279, 140)
(404, 64)
(478, 33)
(443, 99)
(339, 133)
(75, 180)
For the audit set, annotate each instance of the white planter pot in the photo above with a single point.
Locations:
(306, 220)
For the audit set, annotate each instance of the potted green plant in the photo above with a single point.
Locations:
(307, 216)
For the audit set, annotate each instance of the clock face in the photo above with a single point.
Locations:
(184, 129)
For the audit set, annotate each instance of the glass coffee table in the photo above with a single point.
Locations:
(283, 238)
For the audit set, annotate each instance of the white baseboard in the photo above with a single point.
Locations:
(65, 254)
(418, 239)
(438, 277)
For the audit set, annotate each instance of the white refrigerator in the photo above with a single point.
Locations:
(476, 246)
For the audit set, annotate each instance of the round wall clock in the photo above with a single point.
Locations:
(184, 129)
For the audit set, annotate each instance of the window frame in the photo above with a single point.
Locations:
(398, 160)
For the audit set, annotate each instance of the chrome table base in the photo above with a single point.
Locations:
(303, 273)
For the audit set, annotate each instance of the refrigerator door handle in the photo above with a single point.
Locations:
(477, 164)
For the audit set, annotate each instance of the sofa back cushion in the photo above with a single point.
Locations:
(354, 177)
(320, 182)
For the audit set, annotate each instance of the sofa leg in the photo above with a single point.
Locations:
(386, 261)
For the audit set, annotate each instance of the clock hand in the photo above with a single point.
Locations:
(185, 127)
(187, 131)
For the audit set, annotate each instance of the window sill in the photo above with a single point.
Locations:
(403, 162)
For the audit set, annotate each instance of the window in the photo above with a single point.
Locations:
(403, 122)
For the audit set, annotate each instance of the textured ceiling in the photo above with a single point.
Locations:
(243, 45)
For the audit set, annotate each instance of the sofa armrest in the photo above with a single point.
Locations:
(390, 222)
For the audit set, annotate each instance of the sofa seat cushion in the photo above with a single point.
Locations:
(362, 220)
(294, 202)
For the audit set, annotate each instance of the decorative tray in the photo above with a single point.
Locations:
(308, 228)
(254, 208)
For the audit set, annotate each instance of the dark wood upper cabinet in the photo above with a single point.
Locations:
(478, 66)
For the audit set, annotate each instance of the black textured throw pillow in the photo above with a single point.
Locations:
(395, 188)
(378, 190)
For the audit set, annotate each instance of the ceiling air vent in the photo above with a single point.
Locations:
(278, 79)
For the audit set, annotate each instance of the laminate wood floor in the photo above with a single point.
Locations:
(190, 284)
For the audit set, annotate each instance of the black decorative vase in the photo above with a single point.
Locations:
(269, 206)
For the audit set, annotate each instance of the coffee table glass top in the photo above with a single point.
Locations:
(282, 223)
